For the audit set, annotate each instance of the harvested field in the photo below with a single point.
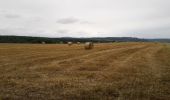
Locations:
(118, 71)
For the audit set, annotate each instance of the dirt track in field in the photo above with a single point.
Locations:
(119, 71)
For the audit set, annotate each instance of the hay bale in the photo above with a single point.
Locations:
(70, 43)
(78, 42)
(43, 42)
(88, 45)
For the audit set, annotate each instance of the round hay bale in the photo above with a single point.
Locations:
(88, 46)
(78, 42)
(70, 43)
(43, 42)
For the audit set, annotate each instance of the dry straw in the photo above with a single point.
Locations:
(78, 42)
(88, 45)
(43, 42)
(69, 43)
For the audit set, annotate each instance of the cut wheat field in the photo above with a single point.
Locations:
(110, 71)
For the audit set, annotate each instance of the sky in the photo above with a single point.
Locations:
(85, 18)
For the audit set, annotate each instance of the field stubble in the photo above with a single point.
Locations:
(120, 71)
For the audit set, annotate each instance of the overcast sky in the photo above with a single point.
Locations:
(86, 18)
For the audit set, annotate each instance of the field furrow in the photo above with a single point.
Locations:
(118, 71)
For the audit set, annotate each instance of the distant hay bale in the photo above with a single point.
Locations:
(88, 45)
(43, 42)
(70, 43)
(78, 42)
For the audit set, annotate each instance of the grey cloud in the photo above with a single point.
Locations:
(82, 32)
(10, 31)
(23, 32)
(8, 14)
(4, 32)
(70, 33)
(63, 31)
(70, 20)
(147, 18)
(12, 16)
(85, 22)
